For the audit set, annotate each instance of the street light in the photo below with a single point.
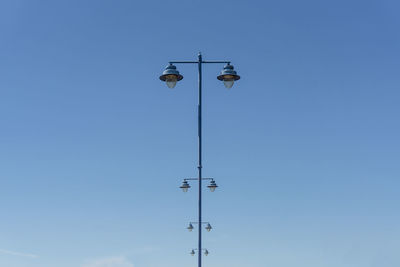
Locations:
(190, 227)
(185, 186)
(212, 186)
(205, 252)
(228, 76)
(171, 76)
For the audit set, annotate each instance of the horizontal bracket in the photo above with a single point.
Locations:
(197, 62)
(196, 179)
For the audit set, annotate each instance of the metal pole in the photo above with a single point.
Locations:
(200, 166)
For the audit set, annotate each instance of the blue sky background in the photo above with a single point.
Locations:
(305, 147)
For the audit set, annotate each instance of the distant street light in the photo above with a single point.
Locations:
(205, 252)
(190, 227)
(212, 186)
(185, 186)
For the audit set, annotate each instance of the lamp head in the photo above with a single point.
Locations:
(212, 186)
(185, 186)
(171, 76)
(228, 76)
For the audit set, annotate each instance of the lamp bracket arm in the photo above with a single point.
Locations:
(196, 62)
(218, 62)
(183, 62)
(190, 179)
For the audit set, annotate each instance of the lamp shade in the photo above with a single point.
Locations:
(228, 76)
(185, 186)
(171, 76)
(212, 186)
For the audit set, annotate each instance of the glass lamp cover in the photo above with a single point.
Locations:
(171, 81)
(228, 83)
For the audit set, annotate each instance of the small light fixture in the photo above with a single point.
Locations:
(208, 227)
(212, 186)
(228, 76)
(185, 186)
(190, 227)
(206, 252)
(192, 252)
(171, 76)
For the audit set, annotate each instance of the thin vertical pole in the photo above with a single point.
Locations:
(200, 166)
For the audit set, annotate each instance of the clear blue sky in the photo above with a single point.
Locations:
(305, 147)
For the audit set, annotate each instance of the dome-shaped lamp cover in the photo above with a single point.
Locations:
(212, 186)
(185, 186)
(228, 76)
(171, 76)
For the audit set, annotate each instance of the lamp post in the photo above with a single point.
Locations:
(171, 76)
